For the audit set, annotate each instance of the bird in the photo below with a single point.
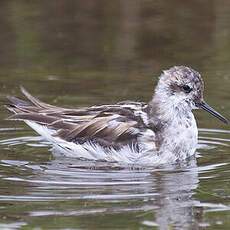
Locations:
(162, 131)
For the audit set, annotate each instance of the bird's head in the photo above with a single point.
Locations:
(182, 88)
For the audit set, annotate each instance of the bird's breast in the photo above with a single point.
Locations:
(179, 138)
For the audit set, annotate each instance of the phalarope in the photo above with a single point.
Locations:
(161, 131)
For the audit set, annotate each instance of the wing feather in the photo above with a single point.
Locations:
(110, 123)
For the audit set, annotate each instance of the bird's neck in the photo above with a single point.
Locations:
(163, 110)
(174, 127)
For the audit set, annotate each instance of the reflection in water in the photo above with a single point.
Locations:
(165, 193)
(177, 204)
(69, 188)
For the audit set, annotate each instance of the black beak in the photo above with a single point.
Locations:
(203, 105)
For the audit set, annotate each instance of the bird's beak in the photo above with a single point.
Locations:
(203, 105)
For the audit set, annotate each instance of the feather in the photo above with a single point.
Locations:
(34, 100)
(105, 124)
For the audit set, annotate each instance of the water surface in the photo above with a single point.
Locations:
(79, 53)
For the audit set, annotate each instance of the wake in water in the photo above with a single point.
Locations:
(209, 139)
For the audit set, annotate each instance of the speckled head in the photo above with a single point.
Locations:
(183, 87)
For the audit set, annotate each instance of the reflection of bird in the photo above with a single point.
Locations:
(164, 129)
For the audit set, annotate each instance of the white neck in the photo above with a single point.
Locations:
(174, 125)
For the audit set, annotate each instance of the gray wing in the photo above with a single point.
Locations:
(109, 125)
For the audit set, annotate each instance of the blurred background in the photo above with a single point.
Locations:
(84, 52)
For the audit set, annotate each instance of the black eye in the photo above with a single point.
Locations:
(186, 88)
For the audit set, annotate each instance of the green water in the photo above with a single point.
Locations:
(75, 53)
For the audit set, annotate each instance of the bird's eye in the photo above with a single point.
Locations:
(186, 88)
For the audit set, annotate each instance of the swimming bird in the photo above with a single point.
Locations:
(161, 131)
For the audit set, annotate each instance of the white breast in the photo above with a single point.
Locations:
(180, 138)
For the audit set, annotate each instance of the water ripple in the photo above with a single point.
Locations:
(30, 175)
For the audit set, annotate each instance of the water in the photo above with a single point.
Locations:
(77, 53)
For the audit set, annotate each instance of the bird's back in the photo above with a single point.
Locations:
(108, 126)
